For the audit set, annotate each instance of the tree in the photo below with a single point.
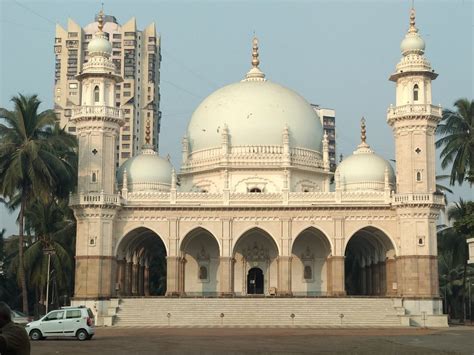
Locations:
(30, 166)
(463, 215)
(457, 140)
(52, 227)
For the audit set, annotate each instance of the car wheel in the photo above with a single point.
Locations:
(35, 334)
(82, 335)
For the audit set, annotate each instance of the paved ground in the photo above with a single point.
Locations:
(457, 340)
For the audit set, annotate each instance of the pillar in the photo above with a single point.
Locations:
(134, 278)
(284, 276)
(146, 280)
(121, 263)
(335, 275)
(128, 278)
(375, 279)
(368, 277)
(391, 277)
(382, 279)
(141, 274)
(363, 280)
(226, 267)
(172, 275)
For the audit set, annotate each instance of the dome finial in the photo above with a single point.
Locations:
(363, 131)
(101, 18)
(412, 28)
(255, 74)
(255, 59)
(147, 132)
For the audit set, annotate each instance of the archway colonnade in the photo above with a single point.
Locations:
(256, 265)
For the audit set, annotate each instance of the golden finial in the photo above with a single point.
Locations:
(363, 131)
(412, 19)
(101, 18)
(255, 60)
(147, 132)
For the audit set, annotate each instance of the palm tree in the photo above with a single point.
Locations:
(52, 228)
(29, 165)
(457, 140)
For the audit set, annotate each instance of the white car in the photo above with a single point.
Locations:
(65, 322)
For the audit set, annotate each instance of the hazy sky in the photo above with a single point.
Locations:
(338, 54)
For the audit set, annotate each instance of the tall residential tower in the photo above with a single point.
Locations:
(137, 56)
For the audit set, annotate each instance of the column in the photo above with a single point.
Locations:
(363, 280)
(128, 278)
(382, 280)
(284, 276)
(141, 274)
(172, 277)
(368, 277)
(121, 277)
(335, 274)
(375, 279)
(391, 276)
(226, 267)
(146, 281)
(135, 278)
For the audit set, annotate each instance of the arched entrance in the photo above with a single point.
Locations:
(310, 251)
(255, 255)
(255, 281)
(141, 264)
(369, 265)
(200, 258)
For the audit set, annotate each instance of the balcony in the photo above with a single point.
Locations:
(97, 111)
(94, 199)
(413, 109)
(418, 199)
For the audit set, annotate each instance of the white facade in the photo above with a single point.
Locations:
(251, 210)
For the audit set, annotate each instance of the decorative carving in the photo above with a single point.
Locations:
(307, 254)
(255, 253)
(203, 255)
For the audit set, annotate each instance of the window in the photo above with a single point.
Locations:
(308, 272)
(126, 93)
(117, 36)
(72, 34)
(418, 176)
(72, 85)
(55, 315)
(125, 146)
(71, 129)
(415, 92)
(74, 313)
(125, 137)
(202, 273)
(255, 190)
(89, 36)
(94, 177)
(127, 85)
(96, 94)
(125, 155)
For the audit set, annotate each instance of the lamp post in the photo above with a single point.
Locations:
(48, 251)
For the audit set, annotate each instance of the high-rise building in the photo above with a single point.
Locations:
(328, 120)
(137, 56)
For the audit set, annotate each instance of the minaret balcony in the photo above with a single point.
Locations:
(410, 110)
(94, 199)
(433, 199)
(100, 112)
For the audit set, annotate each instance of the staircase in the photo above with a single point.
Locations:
(260, 312)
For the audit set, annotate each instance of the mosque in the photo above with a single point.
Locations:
(255, 213)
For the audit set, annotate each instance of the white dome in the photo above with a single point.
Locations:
(256, 113)
(412, 43)
(147, 171)
(364, 170)
(99, 45)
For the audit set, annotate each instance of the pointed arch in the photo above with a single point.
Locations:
(96, 94)
(258, 230)
(316, 230)
(195, 232)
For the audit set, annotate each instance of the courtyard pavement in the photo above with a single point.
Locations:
(455, 340)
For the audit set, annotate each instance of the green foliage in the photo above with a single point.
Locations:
(38, 162)
(457, 140)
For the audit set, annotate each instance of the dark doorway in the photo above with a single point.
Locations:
(255, 281)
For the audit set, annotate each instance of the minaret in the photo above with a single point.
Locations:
(97, 119)
(414, 118)
(98, 122)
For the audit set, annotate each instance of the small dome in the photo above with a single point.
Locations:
(364, 170)
(99, 45)
(412, 43)
(146, 171)
(255, 113)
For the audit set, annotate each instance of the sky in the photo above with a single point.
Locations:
(338, 54)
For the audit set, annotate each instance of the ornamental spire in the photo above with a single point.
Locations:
(255, 74)
(412, 28)
(101, 18)
(363, 131)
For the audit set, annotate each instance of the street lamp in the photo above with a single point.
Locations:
(48, 251)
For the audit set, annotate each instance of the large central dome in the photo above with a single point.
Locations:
(255, 112)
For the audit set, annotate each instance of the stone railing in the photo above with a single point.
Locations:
(417, 199)
(407, 110)
(256, 149)
(97, 111)
(94, 198)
